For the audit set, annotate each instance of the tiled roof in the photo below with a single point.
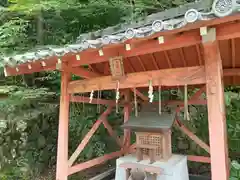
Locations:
(163, 21)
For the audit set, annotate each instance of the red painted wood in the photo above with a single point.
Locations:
(166, 77)
(82, 72)
(201, 159)
(111, 132)
(62, 151)
(139, 94)
(94, 100)
(94, 162)
(140, 47)
(192, 136)
(231, 72)
(216, 111)
(87, 137)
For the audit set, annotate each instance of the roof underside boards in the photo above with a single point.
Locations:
(181, 57)
(180, 43)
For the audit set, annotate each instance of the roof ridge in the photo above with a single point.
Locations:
(163, 21)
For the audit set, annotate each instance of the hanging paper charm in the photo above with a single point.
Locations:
(117, 96)
(91, 97)
(150, 92)
(160, 99)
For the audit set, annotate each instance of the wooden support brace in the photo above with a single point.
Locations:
(192, 136)
(111, 132)
(141, 95)
(198, 94)
(88, 137)
(216, 107)
(187, 131)
(94, 162)
(201, 159)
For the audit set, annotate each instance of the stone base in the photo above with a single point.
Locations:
(173, 169)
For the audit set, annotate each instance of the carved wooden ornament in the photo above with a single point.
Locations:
(116, 66)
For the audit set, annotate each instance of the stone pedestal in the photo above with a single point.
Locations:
(173, 169)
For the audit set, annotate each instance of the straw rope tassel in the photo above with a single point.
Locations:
(100, 94)
(135, 102)
(160, 99)
(83, 103)
(98, 105)
(186, 114)
(150, 92)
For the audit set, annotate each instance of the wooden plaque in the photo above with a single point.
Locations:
(116, 66)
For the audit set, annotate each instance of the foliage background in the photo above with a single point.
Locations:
(29, 103)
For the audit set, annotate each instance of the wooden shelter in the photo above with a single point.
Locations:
(196, 44)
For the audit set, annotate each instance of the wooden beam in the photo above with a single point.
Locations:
(84, 99)
(231, 72)
(216, 107)
(94, 162)
(166, 77)
(111, 132)
(62, 150)
(139, 94)
(82, 72)
(201, 159)
(192, 136)
(198, 94)
(84, 142)
(174, 39)
(88, 137)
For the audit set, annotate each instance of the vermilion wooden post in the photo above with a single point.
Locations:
(62, 152)
(216, 107)
(127, 134)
